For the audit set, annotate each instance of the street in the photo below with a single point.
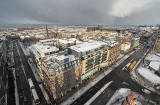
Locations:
(118, 76)
(23, 72)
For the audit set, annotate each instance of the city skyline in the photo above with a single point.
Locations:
(80, 12)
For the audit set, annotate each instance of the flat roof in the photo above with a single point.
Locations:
(66, 41)
(46, 40)
(86, 46)
(45, 48)
(62, 57)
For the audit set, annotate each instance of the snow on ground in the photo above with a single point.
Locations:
(149, 75)
(119, 96)
(25, 49)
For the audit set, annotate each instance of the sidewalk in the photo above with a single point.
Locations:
(96, 80)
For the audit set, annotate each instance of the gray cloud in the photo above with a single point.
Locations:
(79, 11)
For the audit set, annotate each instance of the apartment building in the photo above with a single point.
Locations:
(40, 51)
(156, 47)
(123, 39)
(135, 42)
(114, 49)
(60, 73)
(65, 43)
(125, 47)
(93, 55)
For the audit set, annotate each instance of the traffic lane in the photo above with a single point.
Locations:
(24, 82)
(106, 94)
(30, 74)
(87, 95)
(24, 95)
(19, 85)
(111, 76)
(131, 85)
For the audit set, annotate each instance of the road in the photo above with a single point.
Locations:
(23, 72)
(118, 76)
(22, 85)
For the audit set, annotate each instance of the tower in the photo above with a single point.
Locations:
(47, 31)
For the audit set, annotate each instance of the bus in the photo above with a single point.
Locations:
(35, 96)
(132, 65)
(129, 66)
(31, 85)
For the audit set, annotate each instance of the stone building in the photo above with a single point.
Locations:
(156, 47)
(114, 49)
(134, 42)
(123, 39)
(60, 73)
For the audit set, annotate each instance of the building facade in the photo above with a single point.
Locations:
(93, 57)
(114, 49)
(125, 47)
(134, 42)
(60, 74)
(156, 47)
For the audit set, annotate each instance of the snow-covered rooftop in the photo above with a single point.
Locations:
(149, 75)
(47, 40)
(45, 48)
(153, 57)
(155, 65)
(86, 46)
(66, 41)
(112, 43)
(62, 57)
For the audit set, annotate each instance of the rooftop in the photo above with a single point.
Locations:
(67, 41)
(86, 46)
(153, 57)
(149, 75)
(45, 48)
(62, 57)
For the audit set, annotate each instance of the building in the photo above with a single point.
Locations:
(52, 41)
(144, 38)
(40, 51)
(114, 49)
(3, 71)
(130, 99)
(93, 55)
(156, 47)
(65, 43)
(60, 73)
(123, 39)
(134, 42)
(125, 47)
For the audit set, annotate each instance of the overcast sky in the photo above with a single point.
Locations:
(107, 12)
